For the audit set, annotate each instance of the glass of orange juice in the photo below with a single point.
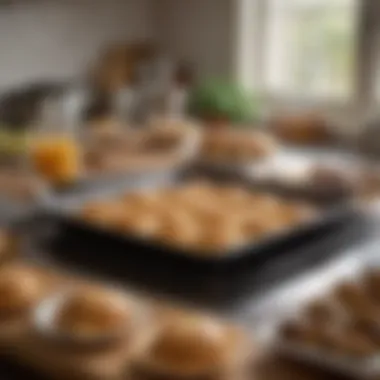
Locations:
(56, 157)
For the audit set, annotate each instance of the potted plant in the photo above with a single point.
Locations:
(220, 103)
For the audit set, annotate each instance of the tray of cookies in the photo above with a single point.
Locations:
(338, 329)
(199, 218)
(66, 327)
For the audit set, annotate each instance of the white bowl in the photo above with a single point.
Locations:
(45, 315)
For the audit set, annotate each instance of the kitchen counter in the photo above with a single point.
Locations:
(243, 292)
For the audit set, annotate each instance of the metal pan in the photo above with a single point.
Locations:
(64, 213)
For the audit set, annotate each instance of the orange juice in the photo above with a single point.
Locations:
(56, 158)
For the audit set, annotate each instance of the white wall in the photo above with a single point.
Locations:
(42, 39)
(201, 31)
(57, 38)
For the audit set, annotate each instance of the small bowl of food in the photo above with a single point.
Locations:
(88, 317)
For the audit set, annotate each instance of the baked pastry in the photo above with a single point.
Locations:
(262, 144)
(372, 285)
(178, 229)
(302, 129)
(237, 146)
(295, 213)
(20, 288)
(305, 334)
(140, 200)
(256, 227)
(8, 245)
(331, 183)
(191, 347)
(141, 223)
(232, 195)
(354, 344)
(320, 313)
(292, 332)
(350, 296)
(89, 313)
(162, 139)
(266, 203)
(224, 233)
(105, 214)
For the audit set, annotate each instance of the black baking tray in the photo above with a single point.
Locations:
(63, 213)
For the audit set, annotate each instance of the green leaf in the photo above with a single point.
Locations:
(222, 99)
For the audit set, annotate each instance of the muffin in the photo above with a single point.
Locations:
(20, 289)
(89, 313)
(191, 347)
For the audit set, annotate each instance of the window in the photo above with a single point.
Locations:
(310, 46)
(311, 50)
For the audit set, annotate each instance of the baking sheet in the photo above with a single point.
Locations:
(65, 213)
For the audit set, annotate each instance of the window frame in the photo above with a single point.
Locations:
(250, 28)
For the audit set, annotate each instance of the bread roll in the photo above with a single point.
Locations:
(190, 346)
(93, 312)
(20, 288)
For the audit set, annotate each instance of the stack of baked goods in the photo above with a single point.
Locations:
(198, 216)
(339, 329)
(229, 147)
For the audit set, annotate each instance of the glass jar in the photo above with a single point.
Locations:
(55, 143)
